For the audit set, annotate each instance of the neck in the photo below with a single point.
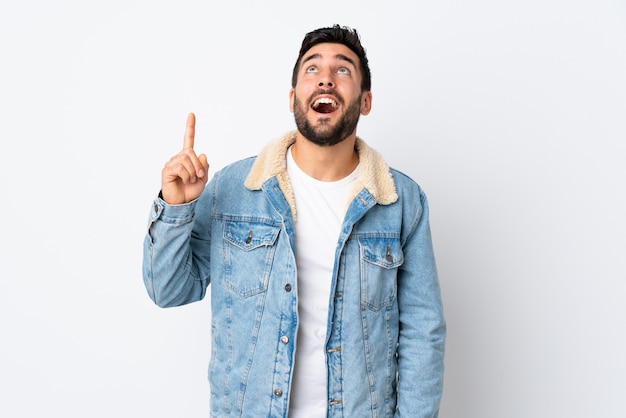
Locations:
(325, 163)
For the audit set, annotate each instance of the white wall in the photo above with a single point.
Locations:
(511, 115)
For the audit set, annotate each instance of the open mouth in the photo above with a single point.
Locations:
(325, 105)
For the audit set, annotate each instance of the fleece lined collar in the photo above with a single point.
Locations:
(373, 174)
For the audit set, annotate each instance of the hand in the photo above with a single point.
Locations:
(184, 176)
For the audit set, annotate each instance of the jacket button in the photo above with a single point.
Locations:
(388, 255)
(284, 339)
(278, 392)
(288, 287)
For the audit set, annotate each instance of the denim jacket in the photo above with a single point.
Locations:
(385, 332)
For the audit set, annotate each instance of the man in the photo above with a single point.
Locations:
(325, 299)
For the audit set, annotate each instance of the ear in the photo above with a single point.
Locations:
(366, 103)
(292, 96)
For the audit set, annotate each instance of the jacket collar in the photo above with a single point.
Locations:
(373, 175)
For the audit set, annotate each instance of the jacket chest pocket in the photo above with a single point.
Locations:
(249, 249)
(380, 259)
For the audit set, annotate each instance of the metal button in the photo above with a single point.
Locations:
(288, 287)
(284, 339)
(278, 392)
(388, 256)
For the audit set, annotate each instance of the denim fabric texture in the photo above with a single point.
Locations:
(386, 330)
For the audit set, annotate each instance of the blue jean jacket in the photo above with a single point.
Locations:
(385, 333)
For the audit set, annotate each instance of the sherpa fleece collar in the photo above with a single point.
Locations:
(373, 174)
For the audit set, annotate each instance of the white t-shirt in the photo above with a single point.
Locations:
(320, 207)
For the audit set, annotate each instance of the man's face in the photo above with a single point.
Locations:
(327, 100)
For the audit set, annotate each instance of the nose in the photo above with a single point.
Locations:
(326, 79)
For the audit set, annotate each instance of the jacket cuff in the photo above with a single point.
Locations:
(173, 214)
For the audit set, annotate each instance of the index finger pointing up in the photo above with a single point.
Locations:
(190, 131)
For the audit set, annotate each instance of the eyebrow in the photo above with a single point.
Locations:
(338, 56)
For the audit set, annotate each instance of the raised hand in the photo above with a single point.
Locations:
(184, 176)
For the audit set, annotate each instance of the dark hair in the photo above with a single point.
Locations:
(336, 35)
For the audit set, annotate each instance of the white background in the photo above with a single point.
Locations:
(511, 115)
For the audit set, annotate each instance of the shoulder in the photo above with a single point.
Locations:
(411, 196)
(235, 170)
(404, 182)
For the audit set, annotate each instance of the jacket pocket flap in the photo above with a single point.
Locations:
(249, 235)
(383, 252)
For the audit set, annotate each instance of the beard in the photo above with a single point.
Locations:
(324, 134)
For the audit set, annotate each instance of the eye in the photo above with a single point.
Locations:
(311, 69)
(343, 70)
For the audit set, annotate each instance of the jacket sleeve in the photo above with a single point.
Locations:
(422, 325)
(176, 251)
